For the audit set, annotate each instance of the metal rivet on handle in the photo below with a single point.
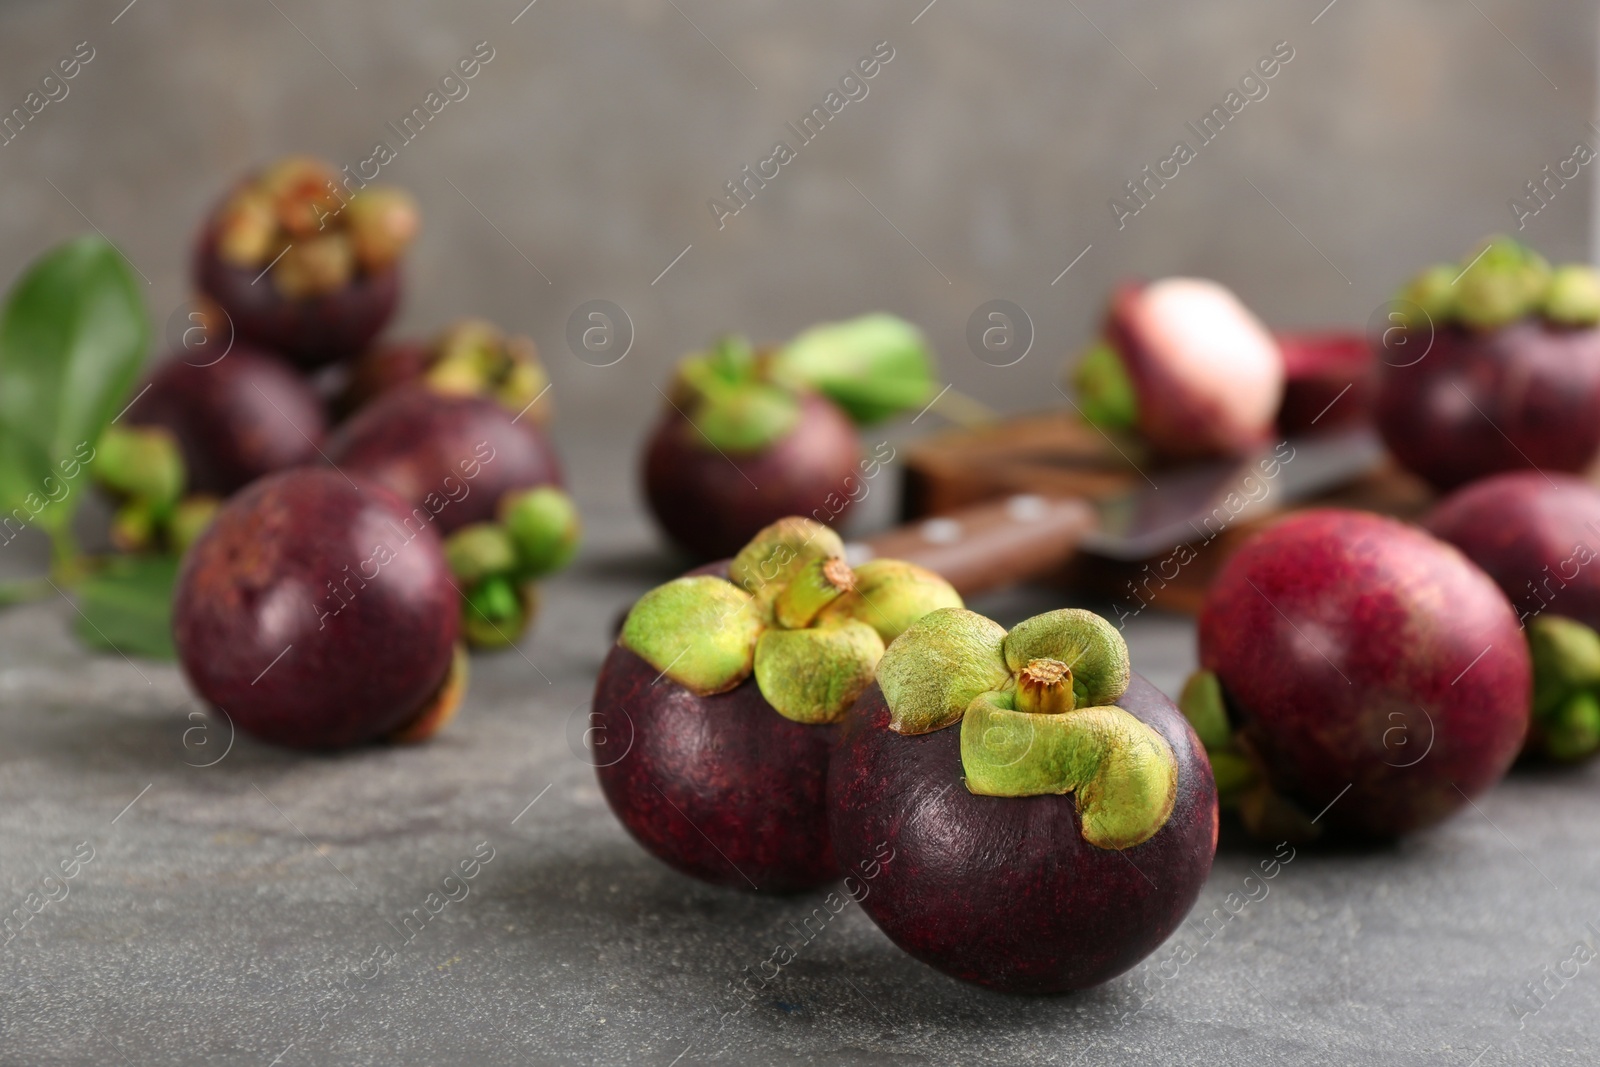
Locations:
(1026, 507)
(940, 531)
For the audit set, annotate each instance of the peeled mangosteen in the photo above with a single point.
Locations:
(471, 358)
(746, 438)
(1030, 814)
(1330, 380)
(1510, 378)
(1187, 366)
(1358, 677)
(316, 613)
(305, 261)
(489, 482)
(1537, 535)
(234, 420)
(723, 689)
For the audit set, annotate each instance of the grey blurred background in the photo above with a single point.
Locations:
(992, 143)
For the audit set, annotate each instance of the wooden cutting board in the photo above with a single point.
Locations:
(1057, 455)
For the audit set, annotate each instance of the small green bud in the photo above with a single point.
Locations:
(1574, 296)
(142, 462)
(1105, 392)
(134, 527)
(479, 551)
(190, 519)
(495, 614)
(1573, 732)
(544, 527)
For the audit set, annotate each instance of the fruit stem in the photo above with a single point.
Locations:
(1044, 687)
(818, 584)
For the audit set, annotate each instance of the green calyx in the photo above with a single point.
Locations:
(1203, 704)
(1566, 687)
(780, 618)
(543, 527)
(475, 358)
(1037, 714)
(496, 562)
(874, 367)
(1501, 282)
(142, 463)
(1105, 392)
(890, 595)
(728, 395)
(496, 611)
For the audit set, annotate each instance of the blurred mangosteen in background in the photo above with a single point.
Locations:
(1500, 369)
(305, 260)
(487, 480)
(1021, 810)
(1183, 364)
(316, 613)
(471, 358)
(747, 437)
(1330, 380)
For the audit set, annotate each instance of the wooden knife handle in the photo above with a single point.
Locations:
(988, 546)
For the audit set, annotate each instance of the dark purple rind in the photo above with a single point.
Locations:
(711, 504)
(246, 415)
(722, 788)
(421, 446)
(255, 624)
(1522, 396)
(1004, 891)
(1537, 535)
(1381, 678)
(310, 331)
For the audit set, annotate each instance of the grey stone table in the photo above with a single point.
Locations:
(221, 906)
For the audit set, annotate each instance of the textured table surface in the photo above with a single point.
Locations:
(221, 901)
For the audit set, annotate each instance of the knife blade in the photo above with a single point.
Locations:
(1026, 536)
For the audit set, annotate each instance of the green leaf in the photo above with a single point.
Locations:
(127, 607)
(874, 367)
(72, 337)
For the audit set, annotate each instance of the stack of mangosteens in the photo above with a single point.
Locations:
(748, 437)
(331, 572)
(992, 796)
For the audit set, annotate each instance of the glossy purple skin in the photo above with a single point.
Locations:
(1537, 535)
(1357, 651)
(246, 415)
(354, 666)
(453, 456)
(1004, 891)
(312, 331)
(711, 504)
(1525, 395)
(722, 788)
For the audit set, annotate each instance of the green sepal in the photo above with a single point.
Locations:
(890, 595)
(494, 613)
(1573, 298)
(813, 676)
(1503, 282)
(1122, 773)
(939, 666)
(544, 528)
(746, 418)
(142, 462)
(699, 631)
(875, 366)
(778, 552)
(1202, 704)
(479, 550)
(1085, 642)
(1106, 394)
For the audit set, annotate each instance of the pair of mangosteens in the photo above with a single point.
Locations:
(441, 476)
(747, 438)
(1493, 365)
(1003, 792)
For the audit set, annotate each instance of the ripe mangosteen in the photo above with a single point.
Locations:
(1024, 811)
(1330, 379)
(726, 684)
(1187, 366)
(746, 438)
(472, 358)
(305, 261)
(1509, 375)
(1358, 676)
(234, 420)
(316, 613)
(1537, 535)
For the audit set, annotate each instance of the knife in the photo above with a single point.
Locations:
(1024, 536)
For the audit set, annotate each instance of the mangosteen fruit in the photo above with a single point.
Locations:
(1186, 366)
(305, 261)
(1538, 535)
(316, 613)
(1501, 372)
(234, 420)
(1329, 381)
(747, 438)
(471, 358)
(488, 482)
(726, 684)
(1359, 678)
(1023, 810)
